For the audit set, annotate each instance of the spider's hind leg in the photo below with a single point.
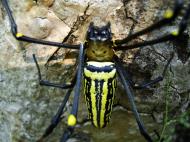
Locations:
(130, 95)
(56, 118)
(72, 119)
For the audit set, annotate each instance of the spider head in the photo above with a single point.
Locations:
(99, 34)
(99, 43)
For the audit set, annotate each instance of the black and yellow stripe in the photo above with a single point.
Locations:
(100, 84)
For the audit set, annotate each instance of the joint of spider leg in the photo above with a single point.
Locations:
(72, 120)
(41, 82)
(175, 32)
(13, 28)
(18, 35)
(169, 14)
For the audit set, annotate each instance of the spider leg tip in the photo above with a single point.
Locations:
(175, 32)
(19, 35)
(168, 14)
(72, 120)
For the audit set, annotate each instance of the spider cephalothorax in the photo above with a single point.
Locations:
(99, 43)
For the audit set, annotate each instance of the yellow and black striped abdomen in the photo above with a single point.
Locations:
(100, 85)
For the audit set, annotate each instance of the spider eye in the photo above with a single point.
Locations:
(103, 32)
(99, 33)
(95, 32)
(105, 51)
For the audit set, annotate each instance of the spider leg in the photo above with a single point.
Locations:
(47, 83)
(156, 80)
(169, 16)
(67, 133)
(72, 119)
(131, 100)
(147, 84)
(21, 37)
(173, 36)
(57, 117)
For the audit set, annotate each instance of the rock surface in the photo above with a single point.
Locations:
(26, 108)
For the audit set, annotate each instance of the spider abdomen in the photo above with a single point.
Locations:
(99, 89)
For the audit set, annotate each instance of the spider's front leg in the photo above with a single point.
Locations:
(56, 118)
(22, 37)
(72, 119)
(168, 17)
(172, 36)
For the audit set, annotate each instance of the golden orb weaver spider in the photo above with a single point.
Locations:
(99, 65)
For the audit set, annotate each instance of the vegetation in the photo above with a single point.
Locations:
(175, 128)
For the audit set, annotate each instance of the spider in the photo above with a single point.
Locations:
(98, 66)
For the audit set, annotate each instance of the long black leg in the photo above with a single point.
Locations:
(139, 45)
(169, 16)
(156, 80)
(57, 118)
(67, 133)
(72, 119)
(147, 84)
(173, 36)
(47, 83)
(21, 37)
(132, 102)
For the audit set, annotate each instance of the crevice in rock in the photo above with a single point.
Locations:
(181, 47)
(125, 2)
(70, 37)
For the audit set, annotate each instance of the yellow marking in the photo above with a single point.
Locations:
(86, 98)
(104, 100)
(72, 120)
(85, 89)
(168, 14)
(100, 75)
(99, 64)
(113, 87)
(175, 32)
(93, 100)
(105, 76)
(19, 35)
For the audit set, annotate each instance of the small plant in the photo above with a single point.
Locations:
(176, 127)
